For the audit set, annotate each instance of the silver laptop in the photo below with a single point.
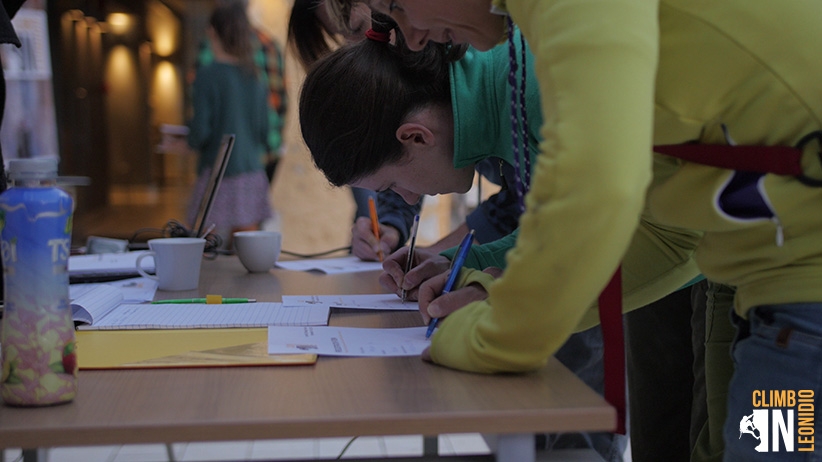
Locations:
(201, 223)
(113, 266)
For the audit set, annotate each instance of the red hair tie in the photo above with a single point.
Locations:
(383, 37)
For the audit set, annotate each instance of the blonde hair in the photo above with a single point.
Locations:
(340, 12)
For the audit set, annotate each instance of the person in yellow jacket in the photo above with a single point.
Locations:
(616, 78)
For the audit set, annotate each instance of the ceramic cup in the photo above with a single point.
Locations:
(176, 261)
(258, 250)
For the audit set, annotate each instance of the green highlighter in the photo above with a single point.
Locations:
(210, 300)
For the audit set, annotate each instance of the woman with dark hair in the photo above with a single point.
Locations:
(270, 61)
(313, 34)
(229, 96)
(390, 85)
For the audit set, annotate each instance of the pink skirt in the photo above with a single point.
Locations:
(241, 201)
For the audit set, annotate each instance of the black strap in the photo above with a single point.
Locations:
(610, 318)
(782, 160)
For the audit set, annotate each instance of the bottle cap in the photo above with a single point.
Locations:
(33, 169)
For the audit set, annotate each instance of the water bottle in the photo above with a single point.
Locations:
(37, 342)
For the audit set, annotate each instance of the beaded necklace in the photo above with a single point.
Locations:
(519, 117)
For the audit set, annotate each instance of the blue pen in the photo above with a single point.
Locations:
(456, 266)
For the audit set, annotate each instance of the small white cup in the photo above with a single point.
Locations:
(258, 250)
(177, 262)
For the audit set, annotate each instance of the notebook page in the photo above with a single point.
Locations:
(201, 315)
(93, 301)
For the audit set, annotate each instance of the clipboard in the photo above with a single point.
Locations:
(151, 349)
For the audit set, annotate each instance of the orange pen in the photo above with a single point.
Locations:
(375, 223)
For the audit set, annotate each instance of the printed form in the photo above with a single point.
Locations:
(388, 302)
(340, 265)
(347, 341)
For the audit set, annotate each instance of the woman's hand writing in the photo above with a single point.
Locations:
(364, 244)
(435, 305)
(426, 264)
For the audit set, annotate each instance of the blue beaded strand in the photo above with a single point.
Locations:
(519, 118)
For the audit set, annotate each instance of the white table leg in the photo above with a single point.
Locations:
(516, 447)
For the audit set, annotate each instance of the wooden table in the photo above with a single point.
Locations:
(334, 398)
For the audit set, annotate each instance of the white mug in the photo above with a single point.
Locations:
(258, 250)
(176, 261)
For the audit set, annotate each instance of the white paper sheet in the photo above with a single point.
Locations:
(360, 302)
(350, 264)
(347, 341)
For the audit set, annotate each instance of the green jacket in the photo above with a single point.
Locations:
(270, 62)
(482, 133)
(482, 127)
(616, 77)
(227, 99)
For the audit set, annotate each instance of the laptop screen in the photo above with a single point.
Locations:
(217, 172)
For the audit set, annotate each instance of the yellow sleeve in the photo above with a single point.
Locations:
(595, 62)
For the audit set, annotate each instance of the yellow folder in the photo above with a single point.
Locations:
(132, 349)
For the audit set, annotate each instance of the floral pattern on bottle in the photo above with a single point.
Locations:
(37, 340)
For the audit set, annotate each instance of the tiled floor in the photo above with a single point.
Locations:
(326, 448)
(297, 449)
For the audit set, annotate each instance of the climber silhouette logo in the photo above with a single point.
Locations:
(781, 421)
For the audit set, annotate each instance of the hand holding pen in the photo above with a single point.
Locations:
(364, 244)
(409, 261)
(459, 260)
(375, 224)
(426, 264)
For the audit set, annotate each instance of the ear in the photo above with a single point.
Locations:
(412, 134)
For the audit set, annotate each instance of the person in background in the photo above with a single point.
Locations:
(230, 96)
(622, 80)
(270, 61)
(8, 9)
